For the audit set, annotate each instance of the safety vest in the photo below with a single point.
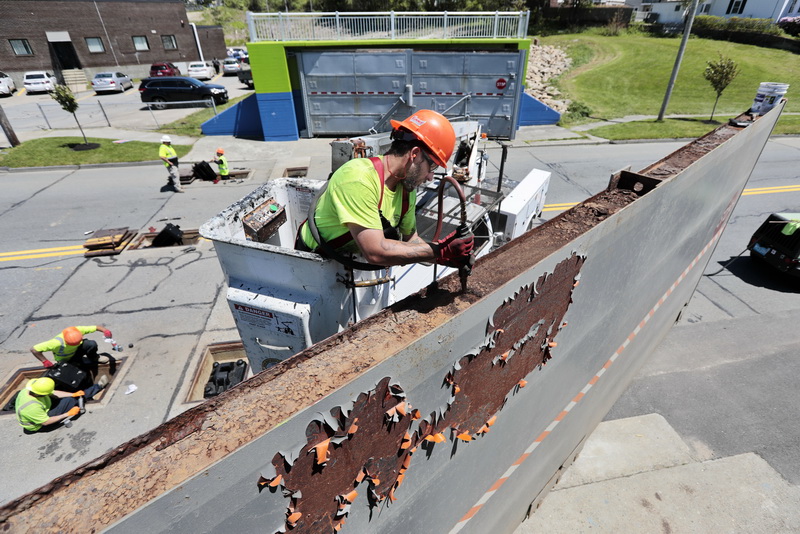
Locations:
(27, 406)
(64, 352)
(223, 165)
(166, 151)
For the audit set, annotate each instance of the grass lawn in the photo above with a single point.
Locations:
(628, 74)
(57, 151)
(680, 128)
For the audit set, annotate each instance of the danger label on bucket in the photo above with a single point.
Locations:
(500, 83)
(286, 325)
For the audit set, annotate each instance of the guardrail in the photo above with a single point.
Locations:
(387, 25)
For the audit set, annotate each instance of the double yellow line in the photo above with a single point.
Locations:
(754, 191)
(78, 249)
(42, 253)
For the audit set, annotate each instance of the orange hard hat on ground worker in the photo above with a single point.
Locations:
(72, 336)
(432, 129)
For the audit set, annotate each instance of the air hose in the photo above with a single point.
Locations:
(463, 229)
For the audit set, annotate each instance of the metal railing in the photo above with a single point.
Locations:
(387, 25)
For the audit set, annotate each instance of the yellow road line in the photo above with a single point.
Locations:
(751, 191)
(790, 189)
(51, 254)
(41, 250)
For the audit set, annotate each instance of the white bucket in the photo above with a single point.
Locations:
(768, 96)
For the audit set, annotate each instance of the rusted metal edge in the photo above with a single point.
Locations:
(339, 356)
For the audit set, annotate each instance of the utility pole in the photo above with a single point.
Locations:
(687, 30)
(7, 129)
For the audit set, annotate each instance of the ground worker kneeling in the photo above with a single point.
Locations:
(40, 407)
(69, 346)
(368, 205)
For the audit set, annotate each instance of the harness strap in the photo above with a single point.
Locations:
(329, 247)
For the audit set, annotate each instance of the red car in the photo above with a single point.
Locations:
(164, 69)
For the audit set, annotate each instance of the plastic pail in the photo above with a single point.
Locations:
(768, 96)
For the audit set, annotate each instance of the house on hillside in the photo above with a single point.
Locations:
(673, 12)
(78, 38)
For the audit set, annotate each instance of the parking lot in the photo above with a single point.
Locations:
(34, 113)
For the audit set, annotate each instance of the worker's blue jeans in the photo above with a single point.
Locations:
(64, 404)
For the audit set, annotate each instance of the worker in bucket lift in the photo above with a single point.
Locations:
(41, 407)
(170, 158)
(222, 163)
(368, 205)
(69, 346)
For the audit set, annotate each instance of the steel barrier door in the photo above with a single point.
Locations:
(357, 91)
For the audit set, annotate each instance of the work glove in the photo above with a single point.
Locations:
(454, 250)
(77, 394)
(107, 333)
(73, 411)
(47, 364)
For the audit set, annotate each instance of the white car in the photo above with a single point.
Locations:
(7, 86)
(231, 66)
(111, 82)
(39, 81)
(200, 70)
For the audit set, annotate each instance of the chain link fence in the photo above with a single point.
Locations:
(133, 115)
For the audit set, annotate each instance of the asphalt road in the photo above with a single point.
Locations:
(725, 383)
(32, 113)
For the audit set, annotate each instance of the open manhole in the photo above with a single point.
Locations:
(21, 376)
(296, 172)
(223, 366)
(188, 175)
(154, 239)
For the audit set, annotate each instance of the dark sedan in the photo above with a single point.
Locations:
(165, 89)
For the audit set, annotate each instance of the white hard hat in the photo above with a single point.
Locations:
(166, 139)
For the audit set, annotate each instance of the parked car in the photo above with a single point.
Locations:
(231, 66)
(111, 81)
(159, 91)
(39, 81)
(7, 86)
(777, 243)
(164, 69)
(200, 70)
(237, 52)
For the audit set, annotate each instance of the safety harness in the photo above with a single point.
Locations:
(329, 248)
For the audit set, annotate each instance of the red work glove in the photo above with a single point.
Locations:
(107, 333)
(80, 393)
(47, 364)
(454, 251)
(73, 411)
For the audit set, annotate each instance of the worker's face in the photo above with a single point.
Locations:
(420, 170)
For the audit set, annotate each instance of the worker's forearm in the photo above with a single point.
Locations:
(55, 419)
(39, 355)
(393, 252)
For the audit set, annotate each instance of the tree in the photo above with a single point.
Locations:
(719, 74)
(63, 95)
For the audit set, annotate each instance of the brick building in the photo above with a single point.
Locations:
(89, 36)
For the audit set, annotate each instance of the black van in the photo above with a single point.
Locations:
(777, 242)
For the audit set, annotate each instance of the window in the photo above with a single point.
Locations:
(706, 8)
(95, 45)
(736, 7)
(140, 43)
(169, 42)
(791, 6)
(21, 47)
(678, 7)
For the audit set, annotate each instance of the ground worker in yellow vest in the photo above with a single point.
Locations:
(368, 204)
(40, 407)
(170, 159)
(222, 162)
(69, 346)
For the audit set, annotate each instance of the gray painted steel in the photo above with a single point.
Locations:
(642, 265)
(350, 91)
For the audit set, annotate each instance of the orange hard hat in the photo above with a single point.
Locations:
(220, 151)
(433, 130)
(72, 336)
